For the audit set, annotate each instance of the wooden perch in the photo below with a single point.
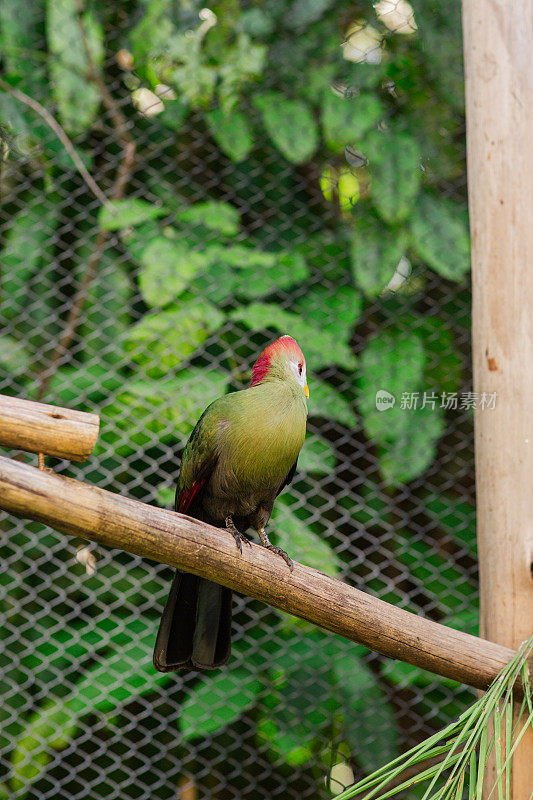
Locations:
(41, 428)
(81, 510)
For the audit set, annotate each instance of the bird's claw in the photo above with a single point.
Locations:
(281, 553)
(237, 535)
(239, 539)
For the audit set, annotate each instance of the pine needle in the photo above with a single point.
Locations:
(463, 747)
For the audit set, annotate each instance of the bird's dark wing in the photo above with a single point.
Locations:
(185, 496)
(288, 479)
(195, 628)
(199, 459)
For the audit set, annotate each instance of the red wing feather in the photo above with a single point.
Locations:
(188, 496)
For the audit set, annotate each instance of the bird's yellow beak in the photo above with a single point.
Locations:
(306, 390)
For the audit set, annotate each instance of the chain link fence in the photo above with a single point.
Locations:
(239, 172)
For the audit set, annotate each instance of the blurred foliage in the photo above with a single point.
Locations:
(377, 147)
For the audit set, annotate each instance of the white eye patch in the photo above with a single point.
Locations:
(300, 377)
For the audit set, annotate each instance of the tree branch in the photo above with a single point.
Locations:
(45, 429)
(85, 511)
(122, 176)
(61, 135)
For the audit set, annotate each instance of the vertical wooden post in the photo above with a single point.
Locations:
(498, 46)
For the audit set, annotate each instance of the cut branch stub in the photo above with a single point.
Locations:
(42, 428)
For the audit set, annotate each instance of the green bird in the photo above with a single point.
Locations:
(240, 455)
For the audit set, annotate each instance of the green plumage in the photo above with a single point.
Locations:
(253, 438)
(241, 453)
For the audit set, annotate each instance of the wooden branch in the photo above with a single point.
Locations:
(85, 511)
(41, 428)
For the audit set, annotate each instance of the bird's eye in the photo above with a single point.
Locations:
(300, 367)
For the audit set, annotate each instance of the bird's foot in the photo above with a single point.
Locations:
(237, 535)
(282, 553)
(265, 541)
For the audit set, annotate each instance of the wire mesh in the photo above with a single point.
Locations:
(282, 167)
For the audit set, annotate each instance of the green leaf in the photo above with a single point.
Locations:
(216, 216)
(19, 34)
(165, 496)
(345, 120)
(295, 537)
(317, 456)
(244, 257)
(77, 98)
(114, 680)
(321, 348)
(151, 36)
(410, 454)
(376, 252)
(214, 702)
(454, 517)
(232, 271)
(138, 238)
(243, 61)
(14, 359)
(84, 386)
(444, 365)
(173, 115)
(168, 266)
(326, 401)
(49, 728)
(148, 412)
(290, 125)
(405, 675)
(293, 714)
(15, 702)
(196, 82)
(118, 678)
(288, 269)
(395, 169)
(23, 67)
(302, 13)
(435, 571)
(369, 720)
(231, 131)
(250, 273)
(466, 619)
(256, 22)
(392, 361)
(123, 213)
(20, 42)
(439, 233)
(368, 506)
(334, 310)
(26, 255)
(162, 340)
(440, 33)
(107, 315)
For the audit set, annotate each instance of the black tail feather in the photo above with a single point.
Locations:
(195, 628)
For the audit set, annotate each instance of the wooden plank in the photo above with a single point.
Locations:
(42, 428)
(81, 510)
(498, 45)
